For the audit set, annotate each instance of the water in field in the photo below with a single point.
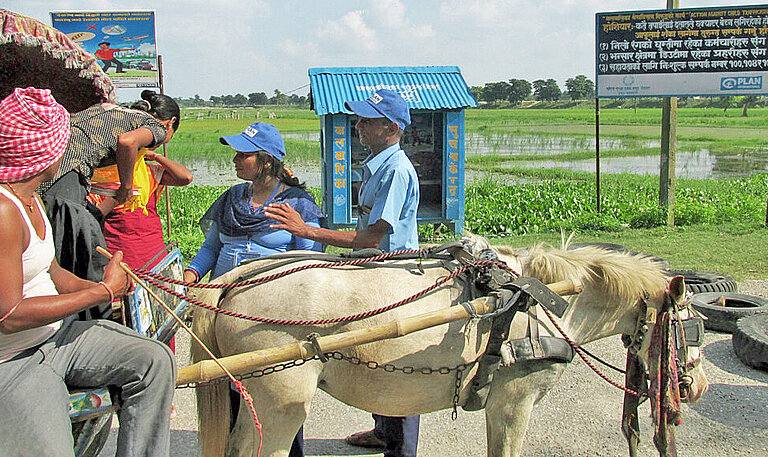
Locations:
(697, 164)
(694, 164)
(306, 136)
(221, 172)
(516, 144)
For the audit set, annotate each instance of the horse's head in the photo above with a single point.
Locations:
(612, 282)
(683, 339)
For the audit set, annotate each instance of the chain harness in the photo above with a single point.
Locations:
(336, 355)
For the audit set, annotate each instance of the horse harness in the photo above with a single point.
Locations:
(512, 294)
(686, 333)
(522, 294)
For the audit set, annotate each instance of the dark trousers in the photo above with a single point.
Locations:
(401, 435)
(108, 63)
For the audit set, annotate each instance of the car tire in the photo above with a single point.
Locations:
(723, 318)
(701, 281)
(750, 341)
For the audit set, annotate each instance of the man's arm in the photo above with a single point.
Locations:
(65, 281)
(289, 219)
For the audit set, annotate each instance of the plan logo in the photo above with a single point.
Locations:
(741, 83)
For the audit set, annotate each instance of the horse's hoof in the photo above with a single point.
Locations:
(365, 439)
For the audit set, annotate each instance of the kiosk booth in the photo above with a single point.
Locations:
(436, 96)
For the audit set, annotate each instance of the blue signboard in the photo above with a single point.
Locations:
(454, 169)
(340, 175)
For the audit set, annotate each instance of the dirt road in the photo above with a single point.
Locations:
(579, 417)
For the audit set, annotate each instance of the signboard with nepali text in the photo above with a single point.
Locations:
(123, 43)
(682, 52)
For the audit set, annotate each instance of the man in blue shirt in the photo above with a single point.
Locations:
(388, 202)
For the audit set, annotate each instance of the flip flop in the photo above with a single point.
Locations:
(365, 439)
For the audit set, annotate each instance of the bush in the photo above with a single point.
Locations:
(649, 217)
(595, 222)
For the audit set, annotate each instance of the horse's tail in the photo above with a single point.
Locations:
(213, 404)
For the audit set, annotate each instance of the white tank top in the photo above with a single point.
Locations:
(35, 262)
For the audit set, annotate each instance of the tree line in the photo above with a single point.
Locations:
(252, 99)
(495, 94)
(515, 91)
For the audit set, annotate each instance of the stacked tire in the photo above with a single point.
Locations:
(724, 309)
(750, 341)
(702, 281)
(743, 315)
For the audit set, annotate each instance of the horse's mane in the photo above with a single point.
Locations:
(623, 277)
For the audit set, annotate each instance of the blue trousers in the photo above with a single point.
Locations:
(34, 401)
(400, 435)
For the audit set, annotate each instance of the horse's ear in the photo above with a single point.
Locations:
(677, 287)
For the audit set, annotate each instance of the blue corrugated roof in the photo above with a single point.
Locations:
(421, 87)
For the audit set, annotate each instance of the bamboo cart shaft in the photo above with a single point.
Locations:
(208, 370)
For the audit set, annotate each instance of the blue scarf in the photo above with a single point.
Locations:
(235, 216)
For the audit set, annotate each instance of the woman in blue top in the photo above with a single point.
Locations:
(235, 225)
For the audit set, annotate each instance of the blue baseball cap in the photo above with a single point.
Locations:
(258, 136)
(383, 103)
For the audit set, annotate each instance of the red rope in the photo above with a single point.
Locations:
(150, 279)
(263, 279)
(249, 400)
(579, 351)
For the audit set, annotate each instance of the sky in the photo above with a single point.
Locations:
(217, 47)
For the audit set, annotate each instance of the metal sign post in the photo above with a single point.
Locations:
(165, 154)
(597, 150)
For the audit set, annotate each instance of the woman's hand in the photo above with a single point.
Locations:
(123, 194)
(107, 205)
(116, 278)
(150, 155)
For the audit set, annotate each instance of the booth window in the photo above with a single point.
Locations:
(422, 141)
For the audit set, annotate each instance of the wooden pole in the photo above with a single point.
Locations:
(208, 370)
(668, 149)
(165, 154)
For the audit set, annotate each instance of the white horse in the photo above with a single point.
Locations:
(613, 285)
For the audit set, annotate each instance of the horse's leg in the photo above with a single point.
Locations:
(282, 403)
(513, 393)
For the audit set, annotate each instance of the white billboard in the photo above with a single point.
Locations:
(682, 52)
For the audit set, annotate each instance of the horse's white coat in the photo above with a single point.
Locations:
(612, 285)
